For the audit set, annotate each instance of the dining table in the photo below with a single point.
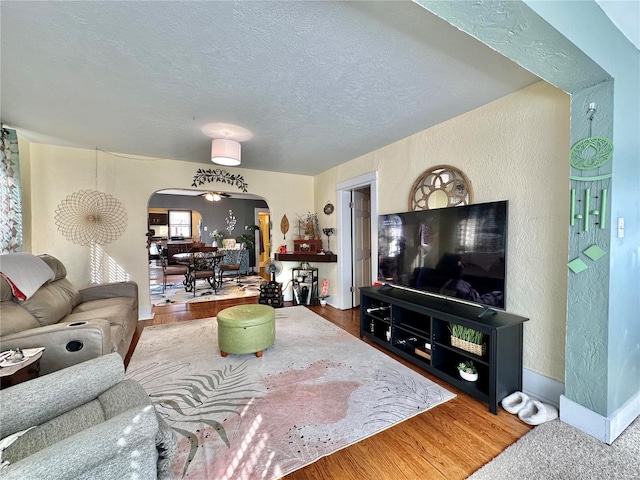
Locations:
(200, 261)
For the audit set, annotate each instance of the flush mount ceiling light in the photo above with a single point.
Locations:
(225, 152)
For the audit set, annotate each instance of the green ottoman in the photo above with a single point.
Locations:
(246, 329)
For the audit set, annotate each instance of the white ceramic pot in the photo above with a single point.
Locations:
(323, 302)
(469, 377)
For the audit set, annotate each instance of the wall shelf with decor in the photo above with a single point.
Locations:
(417, 327)
(306, 257)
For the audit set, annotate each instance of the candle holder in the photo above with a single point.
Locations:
(328, 232)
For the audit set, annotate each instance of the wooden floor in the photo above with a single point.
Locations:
(450, 441)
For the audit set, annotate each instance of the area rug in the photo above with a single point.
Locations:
(318, 389)
(556, 450)
(175, 292)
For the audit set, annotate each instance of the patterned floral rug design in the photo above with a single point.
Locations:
(175, 292)
(318, 389)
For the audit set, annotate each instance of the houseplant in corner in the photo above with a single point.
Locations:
(249, 239)
(249, 242)
(324, 292)
(467, 339)
(468, 371)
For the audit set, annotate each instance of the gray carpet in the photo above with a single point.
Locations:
(556, 450)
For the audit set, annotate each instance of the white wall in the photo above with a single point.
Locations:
(57, 172)
(515, 148)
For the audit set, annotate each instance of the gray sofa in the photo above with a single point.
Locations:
(88, 423)
(73, 325)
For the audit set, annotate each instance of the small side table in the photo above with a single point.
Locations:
(22, 372)
(305, 277)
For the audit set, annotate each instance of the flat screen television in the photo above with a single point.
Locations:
(456, 252)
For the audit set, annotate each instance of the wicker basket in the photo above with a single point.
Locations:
(468, 346)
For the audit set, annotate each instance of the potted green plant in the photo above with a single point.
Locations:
(467, 339)
(249, 241)
(468, 371)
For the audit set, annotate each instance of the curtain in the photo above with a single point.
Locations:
(10, 193)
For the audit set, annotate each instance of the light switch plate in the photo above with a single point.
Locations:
(620, 227)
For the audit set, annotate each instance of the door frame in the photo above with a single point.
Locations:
(256, 249)
(345, 247)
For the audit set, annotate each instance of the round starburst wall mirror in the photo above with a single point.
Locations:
(440, 186)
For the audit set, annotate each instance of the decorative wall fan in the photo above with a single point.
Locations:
(90, 217)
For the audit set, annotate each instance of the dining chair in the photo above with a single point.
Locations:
(171, 270)
(222, 269)
(202, 268)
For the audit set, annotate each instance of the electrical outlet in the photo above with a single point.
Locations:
(206, 228)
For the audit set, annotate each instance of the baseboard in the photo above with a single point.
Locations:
(145, 314)
(605, 429)
(542, 388)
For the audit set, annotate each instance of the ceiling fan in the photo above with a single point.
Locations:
(215, 196)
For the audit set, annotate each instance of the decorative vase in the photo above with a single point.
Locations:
(469, 377)
(214, 243)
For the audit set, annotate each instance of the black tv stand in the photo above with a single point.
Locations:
(486, 311)
(416, 327)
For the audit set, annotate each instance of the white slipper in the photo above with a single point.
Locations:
(514, 402)
(536, 413)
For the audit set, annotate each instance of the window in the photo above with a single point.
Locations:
(180, 223)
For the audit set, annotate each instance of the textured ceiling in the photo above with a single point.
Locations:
(316, 83)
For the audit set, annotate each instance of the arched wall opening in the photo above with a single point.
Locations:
(200, 219)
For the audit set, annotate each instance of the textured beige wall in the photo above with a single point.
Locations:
(58, 172)
(515, 148)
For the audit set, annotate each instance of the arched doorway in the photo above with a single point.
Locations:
(179, 219)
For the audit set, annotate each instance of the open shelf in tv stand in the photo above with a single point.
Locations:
(404, 321)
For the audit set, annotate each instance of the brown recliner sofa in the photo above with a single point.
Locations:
(73, 325)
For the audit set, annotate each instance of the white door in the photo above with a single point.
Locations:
(361, 235)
